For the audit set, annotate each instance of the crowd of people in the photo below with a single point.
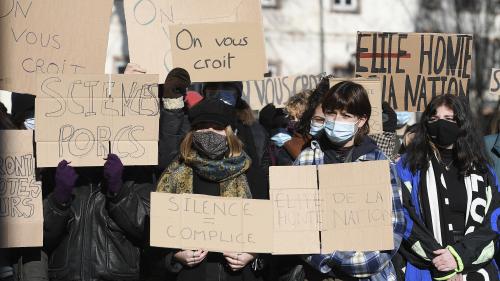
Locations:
(443, 174)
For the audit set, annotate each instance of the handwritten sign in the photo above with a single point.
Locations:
(373, 87)
(21, 211)
(495, 82)
(189, 221)
(277, 90)
(415, 67)
(295, 199)
(82, 118)
(148, 26)
(219, 51)
(354, 205)
(51, 37)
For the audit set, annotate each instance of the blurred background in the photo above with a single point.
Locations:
(316, 36)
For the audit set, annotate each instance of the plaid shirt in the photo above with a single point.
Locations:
(373, 265)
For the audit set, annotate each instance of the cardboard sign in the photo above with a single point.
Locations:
(21, 211)
(82, 118)
(277, 90)
(495, 82)
(51, 37)
(148, 26)
(373, 87)
(415, 67)
(356, 199)
(189, 221)
(295, 199)
(219, 51)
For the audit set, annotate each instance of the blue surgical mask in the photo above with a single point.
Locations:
(280, 139)
(29, 123)
(403, 117)
(339, 132)
(315, 129)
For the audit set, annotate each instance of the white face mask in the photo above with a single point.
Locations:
(29, 123)
(340, 132)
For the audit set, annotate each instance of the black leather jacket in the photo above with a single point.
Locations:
(97, 237)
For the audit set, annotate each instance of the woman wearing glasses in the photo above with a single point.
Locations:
(450, 196)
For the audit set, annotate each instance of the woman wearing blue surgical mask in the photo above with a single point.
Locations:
(344, 139)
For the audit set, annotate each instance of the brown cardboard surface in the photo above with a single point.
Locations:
(277, 90)
(296, 209)
(219, 51)
(220, 224)
(414, 67)
(356, 199)
(373, 87)
(21, 210)
(495, 82)
(148, 26)
(79, 117)
(51, 37)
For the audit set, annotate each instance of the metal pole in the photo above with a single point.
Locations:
(321, 36)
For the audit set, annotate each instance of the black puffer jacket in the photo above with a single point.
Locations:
(96, 237)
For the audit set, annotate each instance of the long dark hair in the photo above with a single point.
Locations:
(469, 149)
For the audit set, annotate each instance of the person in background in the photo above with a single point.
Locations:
(281, 124)
(23, 111)
(386, 140)
(250, 132)
(450, 196)
(95, 221)
(344, 139)
(212, 161)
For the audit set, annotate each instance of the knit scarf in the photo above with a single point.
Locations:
(229, 172)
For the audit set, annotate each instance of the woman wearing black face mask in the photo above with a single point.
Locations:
(211, 162)
(451, 198)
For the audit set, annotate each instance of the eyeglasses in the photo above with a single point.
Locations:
(318, 121)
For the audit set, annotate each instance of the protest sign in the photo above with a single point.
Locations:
(495, 82)
(415, 67)
(189, 221)
(148, 26)
(219, 51)
(82, 118)
(277, 90)
(373, 87)
(295, 198)
(356, 199)
(21, 212)
(51, 37)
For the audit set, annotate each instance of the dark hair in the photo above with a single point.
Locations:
(352, 98)
(313, 101)
(469, 147)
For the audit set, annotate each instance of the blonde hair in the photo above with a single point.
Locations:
(296, 105)
(233, 142)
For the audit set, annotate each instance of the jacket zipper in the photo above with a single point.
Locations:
(84, 248)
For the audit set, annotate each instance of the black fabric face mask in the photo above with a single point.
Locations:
(443, 132)
(210, 144)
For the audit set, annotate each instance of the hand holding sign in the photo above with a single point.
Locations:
(191, 258)
(238, 261)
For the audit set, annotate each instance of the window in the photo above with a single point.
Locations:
(274, 4)
(343, 70)
(274, 68)
(345, 6)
